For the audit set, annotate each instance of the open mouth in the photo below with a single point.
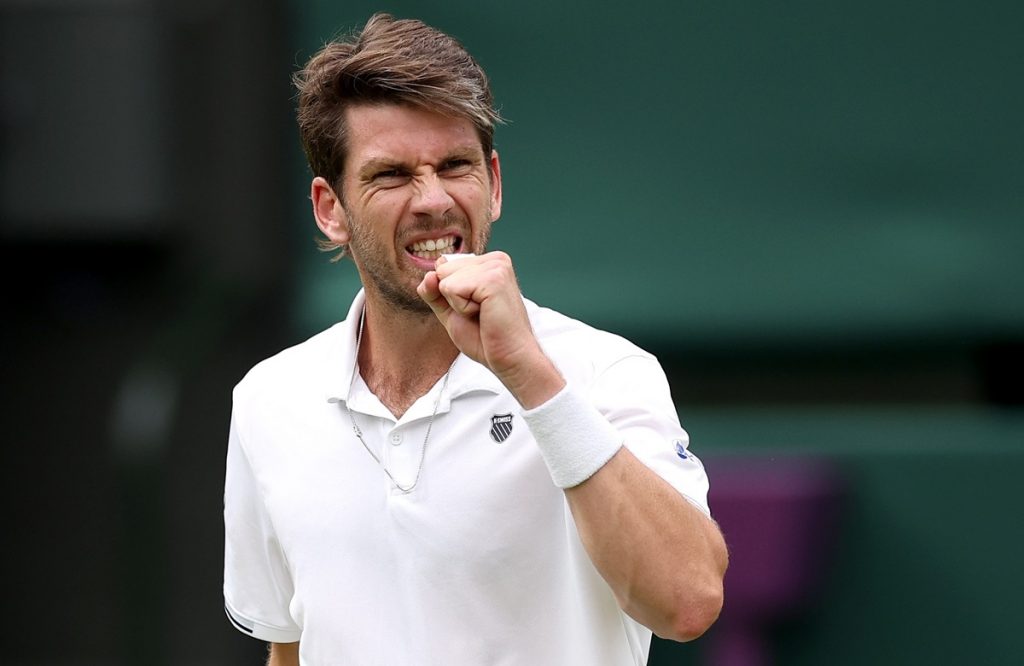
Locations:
(432, 248)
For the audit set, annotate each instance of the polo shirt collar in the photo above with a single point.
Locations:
(467, 375)
(342, 352)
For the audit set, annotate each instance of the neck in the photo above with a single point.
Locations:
(402, 354)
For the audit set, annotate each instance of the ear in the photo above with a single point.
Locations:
(329, 213)
(495, 167)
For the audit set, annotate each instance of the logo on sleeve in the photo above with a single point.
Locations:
(501, 427)
(681, 449)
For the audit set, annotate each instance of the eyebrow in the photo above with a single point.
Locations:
(377, 164)
(472, 152)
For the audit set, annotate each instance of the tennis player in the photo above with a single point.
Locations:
(453, 474)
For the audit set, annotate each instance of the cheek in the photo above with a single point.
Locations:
(475, 199)
(379, 215)
(388, 210)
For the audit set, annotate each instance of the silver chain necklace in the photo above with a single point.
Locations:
(359, 432)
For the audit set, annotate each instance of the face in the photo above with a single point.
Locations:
(416, 185)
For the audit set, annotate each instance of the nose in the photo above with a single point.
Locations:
(431, 197)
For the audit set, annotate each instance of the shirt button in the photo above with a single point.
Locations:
(396, 438)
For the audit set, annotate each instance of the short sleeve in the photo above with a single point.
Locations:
(633, 394)
(257, 584)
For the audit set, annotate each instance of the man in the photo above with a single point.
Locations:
(452, 475)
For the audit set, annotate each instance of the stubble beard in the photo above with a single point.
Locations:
(388, 280)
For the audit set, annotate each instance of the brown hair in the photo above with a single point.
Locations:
(391, 62)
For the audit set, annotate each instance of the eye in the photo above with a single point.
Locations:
(457, 166)
(390, 177)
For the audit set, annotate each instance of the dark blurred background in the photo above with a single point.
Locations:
(813, 213)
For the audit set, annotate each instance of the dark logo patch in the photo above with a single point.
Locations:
(501, 427)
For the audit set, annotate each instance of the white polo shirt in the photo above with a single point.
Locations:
(481, 563)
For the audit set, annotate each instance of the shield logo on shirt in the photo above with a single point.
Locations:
(501, 427)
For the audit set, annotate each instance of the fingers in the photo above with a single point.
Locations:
(478, 301)
(445, 297)
(462, 285)
(459, 281)
(429, 291)
(462, 305)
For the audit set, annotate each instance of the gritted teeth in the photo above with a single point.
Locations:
(433, 244)
(434, 247)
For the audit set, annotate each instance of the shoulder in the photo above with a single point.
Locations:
(579, 349)
(295, 368)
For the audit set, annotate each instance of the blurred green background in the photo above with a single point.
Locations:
(813, 213)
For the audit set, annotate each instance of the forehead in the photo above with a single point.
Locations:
(405, 133)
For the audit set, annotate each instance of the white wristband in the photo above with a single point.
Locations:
(574, 438)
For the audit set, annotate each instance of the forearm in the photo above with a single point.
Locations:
(663, 558)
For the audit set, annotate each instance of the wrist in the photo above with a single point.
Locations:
(574, 438)
(534, 382)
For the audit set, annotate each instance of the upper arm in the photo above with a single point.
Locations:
(283, 654)
(257, 581)
(634, 395)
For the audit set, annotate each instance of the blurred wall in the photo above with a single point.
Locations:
(143, 233)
